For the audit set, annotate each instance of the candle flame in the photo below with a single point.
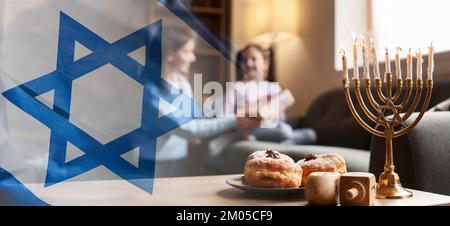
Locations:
(409, 51)
(431, 48)
(418, 54)
(342, 51)
(387, 50)
(398, 48)
(353, 36)
(362, 38)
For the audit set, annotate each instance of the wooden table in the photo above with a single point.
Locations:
(207, 190)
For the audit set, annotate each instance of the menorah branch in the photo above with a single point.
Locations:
(409, 90)
(379, 86)
(399, 90)
(421, 114)
(360, 99)
(415, 103)
(369, 94)
(355, 113)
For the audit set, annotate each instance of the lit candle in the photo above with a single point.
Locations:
(430, 61)
(419, 62)
(355, 58)
(409, 65)
(387, 64)
(375, 61)
(398, 66)
(344, 64)
(387, 61)
(365, 59)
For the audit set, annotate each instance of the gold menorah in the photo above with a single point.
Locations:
(389, 186)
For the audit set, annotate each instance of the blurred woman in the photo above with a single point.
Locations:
(179, 45)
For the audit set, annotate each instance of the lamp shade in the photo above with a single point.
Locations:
(284, 22)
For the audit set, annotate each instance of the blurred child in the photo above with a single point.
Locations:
(251, 92)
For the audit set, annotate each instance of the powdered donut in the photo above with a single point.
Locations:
(272, 169)
(322, 163)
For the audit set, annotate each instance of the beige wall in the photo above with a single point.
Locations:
(305, 65)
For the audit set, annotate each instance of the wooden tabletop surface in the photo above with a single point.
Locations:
(205, 190)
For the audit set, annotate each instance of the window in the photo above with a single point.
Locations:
(400, 23)
(411, 24)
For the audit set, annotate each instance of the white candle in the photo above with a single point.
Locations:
(409, 65)
(387, 64)
(387, 61)
(398, 66)
(365, 58)
(344, 64)
(355, 58)
(430, 61)
(375, 60)
(419, 62)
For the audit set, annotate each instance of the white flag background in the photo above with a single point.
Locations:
(105, 103)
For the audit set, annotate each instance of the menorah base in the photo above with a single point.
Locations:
(389, 187)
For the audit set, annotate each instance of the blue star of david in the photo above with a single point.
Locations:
(57, 119)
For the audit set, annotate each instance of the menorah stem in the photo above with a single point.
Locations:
(389, 85)
(389, 186)
(389, 165)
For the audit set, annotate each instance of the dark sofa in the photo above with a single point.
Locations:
(422, 157)
(336, 129)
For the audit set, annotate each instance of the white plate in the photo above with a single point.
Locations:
(239, 183)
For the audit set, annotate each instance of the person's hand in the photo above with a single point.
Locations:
(269, 97)
(248, 123)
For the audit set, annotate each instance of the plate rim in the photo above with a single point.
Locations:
(246, 187)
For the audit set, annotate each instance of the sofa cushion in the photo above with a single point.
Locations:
(232, 159)
(443, 106)
(334, 124)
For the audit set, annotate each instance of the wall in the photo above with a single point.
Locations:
(249, 18)
(305, 65)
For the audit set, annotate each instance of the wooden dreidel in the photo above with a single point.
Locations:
(357, 189)
(322, 188)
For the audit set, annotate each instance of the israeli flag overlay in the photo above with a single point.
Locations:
(80, 96)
